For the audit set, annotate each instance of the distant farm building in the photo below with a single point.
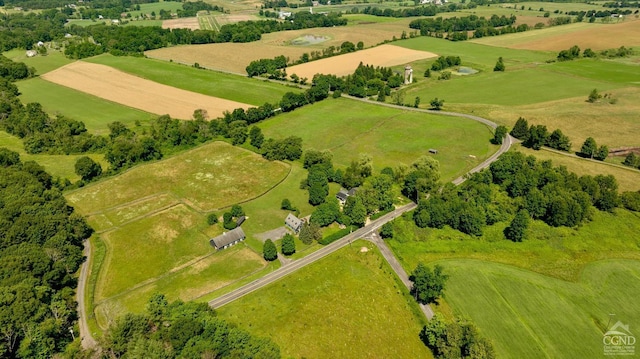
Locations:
(240, 220)
(31, 53)
(293, 222)
(433, 150)
(228, 239)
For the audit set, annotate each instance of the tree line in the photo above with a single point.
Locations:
(182, 330)
(457, 28)
(519, 184)
(40, 252)
(430, 10)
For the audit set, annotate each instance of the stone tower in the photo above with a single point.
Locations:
(408, 75)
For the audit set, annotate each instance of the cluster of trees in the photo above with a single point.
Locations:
(287, 247)
(455, 339)
(622, 4)
(445, 62)
(182, 330)
(191, 8)
(229, 219)
(24, 30)
(515, 182)
(632, 160)
(590, 149)
(40, 252)
(13, 71)
(268, 66)
(428, 284)
(366, 80)
(536, 136)
(574, 53)
(457, 28)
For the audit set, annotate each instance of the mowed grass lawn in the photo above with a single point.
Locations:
(96, 113)
(528, 315)
(217, 84)
(517, 87)
(62, 166)
(391, 136)
(348, 305)
(208, 177)
(42, 64)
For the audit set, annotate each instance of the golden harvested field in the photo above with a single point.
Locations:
(230, 57)
(114, 85)
(585, 35)
(224, 19)
(383, 55)
(183, 23)
(234, 57)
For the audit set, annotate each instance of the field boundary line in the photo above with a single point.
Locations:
(569, 154)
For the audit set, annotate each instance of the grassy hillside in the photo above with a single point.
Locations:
(349, 305)
(531, 315)
(390, 136)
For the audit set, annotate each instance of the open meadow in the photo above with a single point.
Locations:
(119, 87)
(349, 305)
(390, 136)
(530, 315)
(151, 220)
(210, 83)
(205, 178)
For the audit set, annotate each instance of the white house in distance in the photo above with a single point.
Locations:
(228, 239)
(293, 222)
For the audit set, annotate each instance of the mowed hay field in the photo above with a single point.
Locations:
(183, 23)
(390, 136)
(209, 177)
(528, 315)
(596, 37)
(342, 65)
(235, 57)
(349, 305)
(117, 86)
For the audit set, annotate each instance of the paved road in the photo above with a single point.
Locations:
(313, 257)
(86, 339)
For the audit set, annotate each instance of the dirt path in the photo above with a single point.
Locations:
(86, 338)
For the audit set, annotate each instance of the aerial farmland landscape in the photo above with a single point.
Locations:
(319, 179)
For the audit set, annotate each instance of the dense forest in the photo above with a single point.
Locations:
(40, 251)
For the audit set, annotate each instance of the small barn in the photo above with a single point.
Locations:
(228, 239)
(240, 220)
(293, 222)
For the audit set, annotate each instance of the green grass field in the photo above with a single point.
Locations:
(42, 64)
(227, 86)
(85, 22)
(206, 178)
(147, 9)
(62, 166)
(529, 315)
(349, 305)
(96, 113)
(143, 23)
(390, 136)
